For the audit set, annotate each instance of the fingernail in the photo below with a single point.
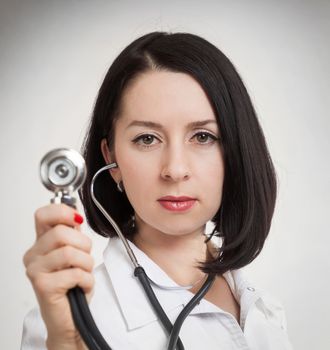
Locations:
(78, 218)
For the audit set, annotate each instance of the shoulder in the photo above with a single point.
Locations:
(263, 317)
(249, 293)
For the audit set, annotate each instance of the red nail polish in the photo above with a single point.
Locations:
(78, 218)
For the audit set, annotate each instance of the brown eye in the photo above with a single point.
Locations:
(204, 137)
(147, 139)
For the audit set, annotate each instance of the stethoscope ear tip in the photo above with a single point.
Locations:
(113, 165)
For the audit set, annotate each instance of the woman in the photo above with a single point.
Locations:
(175, 116)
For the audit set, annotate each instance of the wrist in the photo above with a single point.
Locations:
(54, 344)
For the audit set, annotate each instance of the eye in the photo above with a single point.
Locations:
(204, 137)
(145, 140)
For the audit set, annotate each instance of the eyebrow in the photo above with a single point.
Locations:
(154, 125)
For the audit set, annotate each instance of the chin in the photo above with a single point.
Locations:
(179, 230)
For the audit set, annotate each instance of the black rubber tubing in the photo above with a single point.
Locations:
(143, 278)
(84, 321)
(186, 311)
(91, 335)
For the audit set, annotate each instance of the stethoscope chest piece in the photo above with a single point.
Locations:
(62, 171)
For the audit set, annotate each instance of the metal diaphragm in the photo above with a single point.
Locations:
(62, 169)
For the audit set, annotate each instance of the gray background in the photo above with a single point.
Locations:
(53, 56)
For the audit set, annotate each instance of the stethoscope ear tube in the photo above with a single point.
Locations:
(172, 330)
(187, 309)
(93, 338)
(143, 278)
(84, 321)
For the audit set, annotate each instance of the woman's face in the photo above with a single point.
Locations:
(165, 146)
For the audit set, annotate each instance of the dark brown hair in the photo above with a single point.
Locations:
(249, 190)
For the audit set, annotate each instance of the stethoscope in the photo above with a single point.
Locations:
(63, 171)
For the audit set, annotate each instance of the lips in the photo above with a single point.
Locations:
(178, 204)
(176, 199)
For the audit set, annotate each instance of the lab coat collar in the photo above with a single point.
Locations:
(133, 302)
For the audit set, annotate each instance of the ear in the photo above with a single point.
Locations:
(109, 158)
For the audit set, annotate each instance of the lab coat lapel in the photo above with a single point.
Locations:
(132, 300)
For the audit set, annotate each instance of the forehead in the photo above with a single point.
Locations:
(165, 96)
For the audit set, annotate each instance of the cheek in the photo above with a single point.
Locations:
(213, 183)
(138, 173)
(137, 168)
(211, 166)
(212, 178)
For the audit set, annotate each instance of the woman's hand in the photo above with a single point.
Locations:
(58, 261)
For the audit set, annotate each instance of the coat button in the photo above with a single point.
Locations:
(251, 289)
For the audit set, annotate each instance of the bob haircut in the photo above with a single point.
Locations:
(244, 216)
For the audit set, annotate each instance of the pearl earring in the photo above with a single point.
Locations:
(120, 186)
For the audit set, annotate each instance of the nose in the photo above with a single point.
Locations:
(175, 165)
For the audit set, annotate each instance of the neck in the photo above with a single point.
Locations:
(177, 255)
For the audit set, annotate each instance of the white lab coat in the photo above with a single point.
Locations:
(127, 321)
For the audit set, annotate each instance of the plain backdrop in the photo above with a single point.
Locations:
(53, 57)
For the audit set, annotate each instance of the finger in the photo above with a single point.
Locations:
(57, 237)
(63, 258)
(58, 283)
(61, 236)
(54, 214)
